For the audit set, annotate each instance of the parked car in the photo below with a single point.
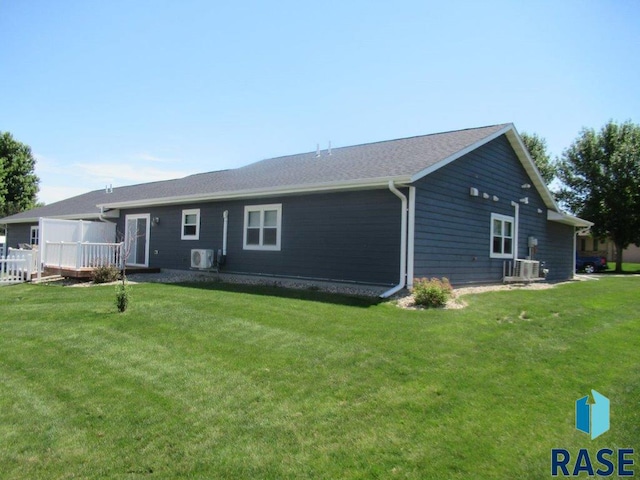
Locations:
(590, 264)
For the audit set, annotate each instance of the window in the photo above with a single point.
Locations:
(501, 236)
(262, 227)
(35, 236)
(190, 224)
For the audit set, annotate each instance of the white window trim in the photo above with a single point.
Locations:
(262, 208)
(35, 229)
(502, 218)
(192, 211)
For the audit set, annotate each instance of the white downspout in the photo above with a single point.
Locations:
(516, 222)
(225, 227)
(411, 240)
(403, 243)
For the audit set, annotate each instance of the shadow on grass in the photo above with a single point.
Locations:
(309, 294)
(627, 269)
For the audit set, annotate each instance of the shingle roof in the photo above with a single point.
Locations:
(394, 159)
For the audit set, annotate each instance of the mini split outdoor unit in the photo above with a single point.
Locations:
(201, 258)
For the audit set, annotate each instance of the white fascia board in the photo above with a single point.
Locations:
(561, 217)
(84, 216)
(460, 153)
(364, 184)
(529, 165)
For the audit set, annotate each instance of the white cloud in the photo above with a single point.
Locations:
(60, 180)
(125, 173)
(147, 157)
(47, 165)
(52, 193)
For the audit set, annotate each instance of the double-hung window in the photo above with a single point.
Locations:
(190, 224)
(262, 227)
(34, 236)
(501, 236)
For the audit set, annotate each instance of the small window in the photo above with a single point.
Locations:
(191, 224)
(262, 227)
(35, 236)
(501, 236)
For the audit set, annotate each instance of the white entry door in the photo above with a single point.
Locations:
(136, 242)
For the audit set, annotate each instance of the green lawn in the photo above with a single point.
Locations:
(626, 267)
(215, 381)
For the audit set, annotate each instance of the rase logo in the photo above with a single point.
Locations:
(592, 419)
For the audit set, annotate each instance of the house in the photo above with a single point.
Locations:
(590, 246)
(458, 204)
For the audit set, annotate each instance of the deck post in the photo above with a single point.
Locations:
(78, 255)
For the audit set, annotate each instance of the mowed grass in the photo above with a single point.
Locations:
(633, 268)
(215, 381)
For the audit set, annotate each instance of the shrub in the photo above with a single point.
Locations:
(123, 294)
(106, 274)
(431, 292)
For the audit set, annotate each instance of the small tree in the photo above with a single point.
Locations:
(601, 176)
(123, 291)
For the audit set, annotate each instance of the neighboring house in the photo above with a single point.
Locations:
(589, 246)
(456, 204)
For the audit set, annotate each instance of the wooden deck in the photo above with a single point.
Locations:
(86, 273)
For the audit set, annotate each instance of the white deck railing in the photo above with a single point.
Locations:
(82, 255)
(16, 268)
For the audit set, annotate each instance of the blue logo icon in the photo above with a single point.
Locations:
(593, 418)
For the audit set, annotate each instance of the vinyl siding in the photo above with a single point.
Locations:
(453, 229)
(19, 233)
(349, 236)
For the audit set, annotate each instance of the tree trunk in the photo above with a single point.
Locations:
(619, 249)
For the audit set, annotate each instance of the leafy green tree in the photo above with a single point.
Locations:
(18, 181)
(537, 147)
(601, 176)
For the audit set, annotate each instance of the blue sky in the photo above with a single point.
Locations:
(122, 92)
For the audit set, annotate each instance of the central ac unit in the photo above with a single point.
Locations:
(201, 258)
(527, 269)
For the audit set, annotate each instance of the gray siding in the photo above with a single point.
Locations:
(348, 236)
(18, 233)
(453, 229)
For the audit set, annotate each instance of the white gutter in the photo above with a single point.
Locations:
(403, 243)
(225, 226)
(364, 184)
(561, 217)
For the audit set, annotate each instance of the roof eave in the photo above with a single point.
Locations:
(565, 218)
(82, 216)
(529, 165)
(364, 184)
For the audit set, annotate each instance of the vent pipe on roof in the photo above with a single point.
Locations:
(329, 148)
(317, 150)
(109, 188)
